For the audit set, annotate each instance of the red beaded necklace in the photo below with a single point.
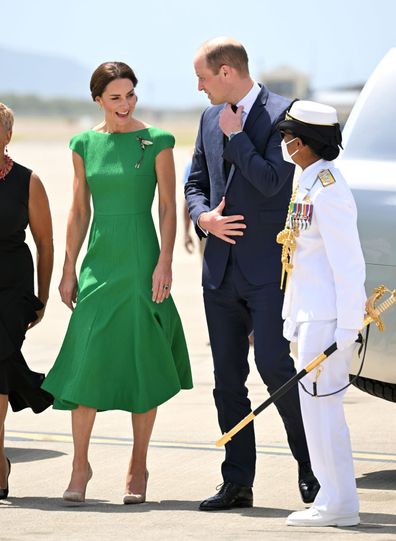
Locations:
(6, 167)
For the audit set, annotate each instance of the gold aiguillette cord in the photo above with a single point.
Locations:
(287, 237)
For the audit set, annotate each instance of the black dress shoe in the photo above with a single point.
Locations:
(230, 495)
(307, 482)
(4, 491)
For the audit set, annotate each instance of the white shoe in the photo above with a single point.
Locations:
(314, 517)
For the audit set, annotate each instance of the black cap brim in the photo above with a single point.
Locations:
(287, 125)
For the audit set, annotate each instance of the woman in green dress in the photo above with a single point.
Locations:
(124, 347)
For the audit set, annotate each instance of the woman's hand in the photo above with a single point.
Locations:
(41, 227)
(345, 337)
(68, 288)
(162, 275)
(162, 282)
(77, 226)
(40, 315)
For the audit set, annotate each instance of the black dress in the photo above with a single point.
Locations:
(18, 303)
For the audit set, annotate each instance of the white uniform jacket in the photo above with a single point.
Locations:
(327, 280)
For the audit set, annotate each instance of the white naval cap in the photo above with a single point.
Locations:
(311, 112)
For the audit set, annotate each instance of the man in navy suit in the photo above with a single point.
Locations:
(238, 193)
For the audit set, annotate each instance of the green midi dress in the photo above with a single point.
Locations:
(121, 350)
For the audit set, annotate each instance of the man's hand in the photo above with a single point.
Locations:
(223, 227)
(188, 243)
(229, 121)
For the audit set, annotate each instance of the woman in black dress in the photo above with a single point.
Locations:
(23, 202)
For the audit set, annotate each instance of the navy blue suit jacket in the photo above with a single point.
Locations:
(259, 189)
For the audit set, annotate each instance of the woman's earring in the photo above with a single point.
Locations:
(6, 151)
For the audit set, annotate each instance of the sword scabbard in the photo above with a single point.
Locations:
(375, 316)
(228, 435)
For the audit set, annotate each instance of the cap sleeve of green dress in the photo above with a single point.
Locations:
(163, 140)
(77, 144)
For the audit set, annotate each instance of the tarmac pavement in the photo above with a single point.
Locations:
(183, 461)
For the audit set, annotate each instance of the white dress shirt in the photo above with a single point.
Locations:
(248, 101)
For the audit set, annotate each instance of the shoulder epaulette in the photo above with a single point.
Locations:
(326, 178)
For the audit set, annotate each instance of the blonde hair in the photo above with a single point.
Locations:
(6, 117)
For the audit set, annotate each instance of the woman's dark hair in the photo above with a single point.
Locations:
(327, 151)
(107, 72)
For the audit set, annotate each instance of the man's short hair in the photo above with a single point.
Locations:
(226, 51)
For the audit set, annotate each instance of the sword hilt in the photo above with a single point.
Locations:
(373, 312)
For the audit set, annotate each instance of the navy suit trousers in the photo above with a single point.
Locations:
(232, 312)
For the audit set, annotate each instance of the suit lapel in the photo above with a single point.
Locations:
(257, 109)
(254, 114)
(218, 148)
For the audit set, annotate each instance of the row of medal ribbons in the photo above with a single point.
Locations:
(299, 216)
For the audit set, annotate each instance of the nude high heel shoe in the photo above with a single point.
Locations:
(4, 491)
(77, 496)
(130, 498)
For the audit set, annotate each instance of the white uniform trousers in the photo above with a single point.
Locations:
(324, 420)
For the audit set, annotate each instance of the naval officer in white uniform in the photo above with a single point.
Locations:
(324, 303)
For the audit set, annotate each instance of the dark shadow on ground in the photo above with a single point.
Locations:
(379, 480)
(102, 506)
(378, 523)
(17, 454)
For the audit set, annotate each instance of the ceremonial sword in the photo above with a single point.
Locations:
(372, 315)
